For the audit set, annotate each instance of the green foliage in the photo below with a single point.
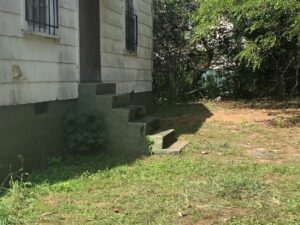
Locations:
(266, 38)
(213, 84)
(83, 132)
(10, 208)
(175, 56)
(150, 143)
(253, 44)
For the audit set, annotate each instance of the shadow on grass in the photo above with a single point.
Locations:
(75, 166)
(185, 118)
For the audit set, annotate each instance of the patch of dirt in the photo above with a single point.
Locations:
(242, 113)
(262, 153)
(100, 205)
(240, 116)
(271, 113)
(269, 116)
(280, 156)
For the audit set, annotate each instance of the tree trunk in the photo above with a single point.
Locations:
(281, 91)
(296, 88)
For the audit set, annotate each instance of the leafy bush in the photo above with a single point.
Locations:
(212, 84)
(83, 132)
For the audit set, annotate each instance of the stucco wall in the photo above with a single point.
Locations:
(130, 72)
(49, 67)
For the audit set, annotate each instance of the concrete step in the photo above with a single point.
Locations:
(162, 139)
(105, 101)
(150, 123)
(121, 100)
(175, 149)
(106, 88)
(135, 112)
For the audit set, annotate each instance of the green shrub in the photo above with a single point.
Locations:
(212, 84)
(150, 143)
(83, 132)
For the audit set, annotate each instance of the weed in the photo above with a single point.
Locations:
(150, 144)
(278, 122)
(244, 123)
(12, 206)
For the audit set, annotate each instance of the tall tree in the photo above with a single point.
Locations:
(269, 35)
(175, 57)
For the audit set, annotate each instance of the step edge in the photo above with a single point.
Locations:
(162, 133)
(171, 150)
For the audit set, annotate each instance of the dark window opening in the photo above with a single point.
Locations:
(42, 15)
(131, 27)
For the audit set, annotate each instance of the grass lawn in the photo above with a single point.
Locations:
(242, 167)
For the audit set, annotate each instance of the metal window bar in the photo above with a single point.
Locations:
(42, 15)
(131, 29)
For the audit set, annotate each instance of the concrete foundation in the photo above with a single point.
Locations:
(32, 132)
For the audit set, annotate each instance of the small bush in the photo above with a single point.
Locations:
(83, 132)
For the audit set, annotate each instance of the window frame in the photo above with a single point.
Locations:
(131, 44)
(42, 27)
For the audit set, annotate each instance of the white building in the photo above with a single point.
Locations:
(79, 55)
(46, 49)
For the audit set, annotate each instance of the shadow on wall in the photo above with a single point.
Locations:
(185, 118)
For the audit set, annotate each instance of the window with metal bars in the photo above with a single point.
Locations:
(131, 27)
(42, 15)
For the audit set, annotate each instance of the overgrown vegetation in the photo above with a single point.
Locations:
(83, 132)
(240, 49)
(238, 169)
(175, 58)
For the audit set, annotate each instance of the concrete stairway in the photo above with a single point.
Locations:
(128, 125)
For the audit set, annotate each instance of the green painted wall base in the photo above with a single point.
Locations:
(32, 131)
